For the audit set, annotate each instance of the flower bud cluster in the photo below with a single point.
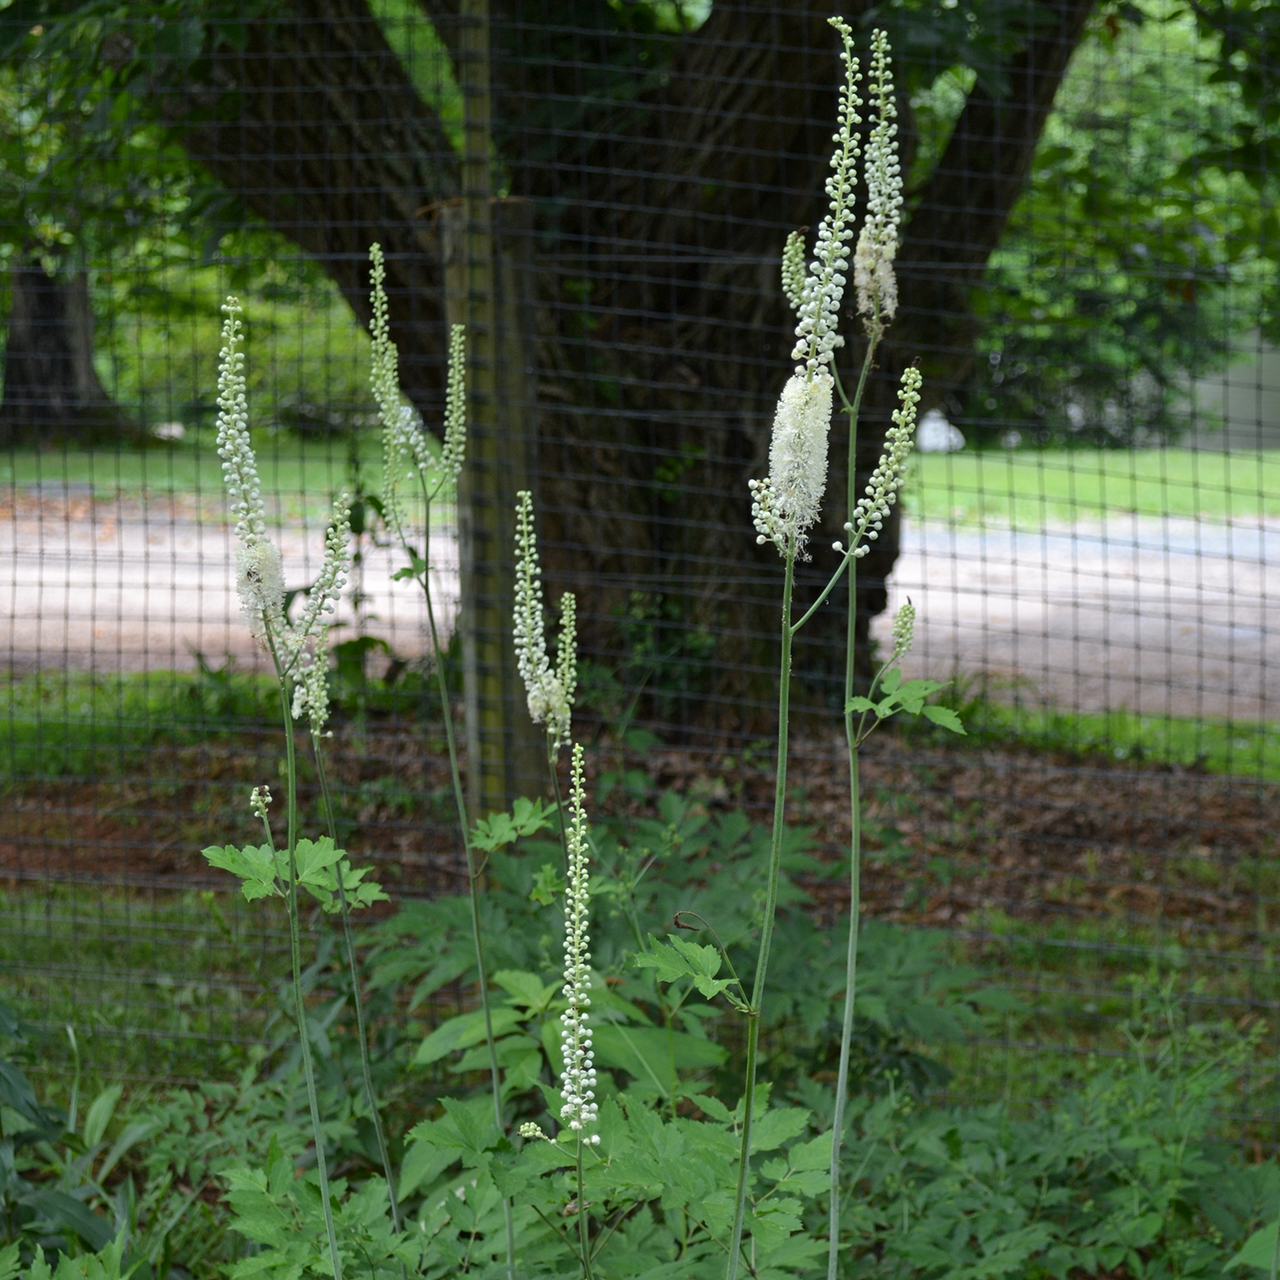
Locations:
(453, 454)
(260, 802)
(550, 693)
(904, 626)
(819, 310)
(882, 489)
(793, 273)
(873, 276)
(577, 1087)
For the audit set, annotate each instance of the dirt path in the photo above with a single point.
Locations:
(117, 587)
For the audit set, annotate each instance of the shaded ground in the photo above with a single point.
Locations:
(956, 837)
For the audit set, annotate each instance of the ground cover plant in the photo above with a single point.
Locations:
(661, 1068)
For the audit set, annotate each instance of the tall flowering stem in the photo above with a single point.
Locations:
(407, 456)
(577, 1088)
(260, 583)
(787, 503)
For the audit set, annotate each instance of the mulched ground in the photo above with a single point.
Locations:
(956, 837)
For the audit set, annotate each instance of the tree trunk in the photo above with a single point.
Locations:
(52, 393)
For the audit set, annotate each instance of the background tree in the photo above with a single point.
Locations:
(665, 154)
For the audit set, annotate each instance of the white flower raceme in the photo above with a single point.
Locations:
(453, 454)
(882, 489)
(878, 242)
(300, 648)
(239, 466)
(577, 1086)
(550, 693)
(322, 599)
(797, 480)
(259, 575)
(405, 447)
(816, 336)
(786, 504)
(260, 586)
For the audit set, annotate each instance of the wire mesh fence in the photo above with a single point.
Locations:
(602, 192)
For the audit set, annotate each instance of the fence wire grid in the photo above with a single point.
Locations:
(1090, 532)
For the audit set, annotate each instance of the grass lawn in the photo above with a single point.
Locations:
(290, 467)
(1031, 488)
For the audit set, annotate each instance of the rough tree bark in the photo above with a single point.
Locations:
(665, 174)
(52, 393)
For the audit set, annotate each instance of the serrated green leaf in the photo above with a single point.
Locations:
(770, 1130)
(945, 717)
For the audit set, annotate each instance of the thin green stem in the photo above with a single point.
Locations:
(766, 928)
(845, 563)
(384, 1153)
(555, 791)
(855, 821)
(584, 1226)
(295, 950)
(473, 876)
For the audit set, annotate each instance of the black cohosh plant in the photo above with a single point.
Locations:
(663, 1179)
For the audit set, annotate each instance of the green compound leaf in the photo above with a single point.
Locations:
(684, 959)
(256, 866)
(527, 818)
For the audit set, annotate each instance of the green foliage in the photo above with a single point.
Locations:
(1117, 1177)
(1137, 250)
(264, 872)
(280, 1212)
(892, 694)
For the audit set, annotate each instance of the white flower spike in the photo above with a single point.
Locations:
(873, 276)
(787, 504)
(300, 648)
(577, 1086)
(405, 447)
(882, 489)
(816, 336)
(550, 693)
